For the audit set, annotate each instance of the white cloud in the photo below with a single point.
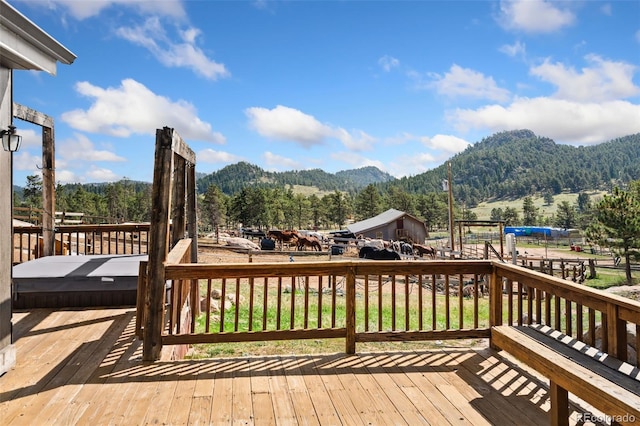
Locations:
(515, 49)
(357, 140)
(81, 148)
(153, 37)
(400, 139)
(465, 82)
(24, 160)
(67, 176)
(211, 156)
(638, 36)
(83, 9)
(606, 9)
(534, 16)
(278, 162)
(603, 81)
(387, 63)
(132, 108)
(447, 143)
(356, 161)
(288, 124)
(562, 120)
(411, 165)
(98, 174)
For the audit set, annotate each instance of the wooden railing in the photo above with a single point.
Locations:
(600, 319)
(360, 301)
(81, 239)
(375, 301)
(571, 269)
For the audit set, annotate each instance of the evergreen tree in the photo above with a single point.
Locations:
(338, 209)
(368, 203)
(565, 216)
(584, 202)
(434, 209)
(511, 217)
(301, 211)
(529, 212)
(315, 207)
(214, 207)
(399, 199)
(32, 193)
(618, 224)
(497, 214)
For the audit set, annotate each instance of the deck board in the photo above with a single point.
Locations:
(84, 367)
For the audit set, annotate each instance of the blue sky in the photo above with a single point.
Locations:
(336, 85)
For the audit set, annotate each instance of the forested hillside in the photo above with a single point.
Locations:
(231, 179)
(507, 165)
(518, 163)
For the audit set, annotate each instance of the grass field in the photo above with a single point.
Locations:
(483, 210)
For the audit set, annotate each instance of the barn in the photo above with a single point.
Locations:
(391, 225)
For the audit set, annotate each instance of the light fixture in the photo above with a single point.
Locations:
(10, 140)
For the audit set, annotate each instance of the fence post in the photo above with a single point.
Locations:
(495, 301)
(350, 321)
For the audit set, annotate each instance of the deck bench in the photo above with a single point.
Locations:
(608, 384)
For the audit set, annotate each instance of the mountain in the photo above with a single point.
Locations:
(510, 164)
(231, 179)
(365, 176)
(514, 164)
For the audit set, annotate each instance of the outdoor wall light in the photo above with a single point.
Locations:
(10, 140)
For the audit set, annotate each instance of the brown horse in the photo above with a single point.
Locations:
(422, 250)
(305, 241)
(289, 237)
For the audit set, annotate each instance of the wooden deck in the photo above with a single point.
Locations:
(84, 367)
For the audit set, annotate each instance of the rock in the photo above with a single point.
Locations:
(631, 341)
(242, 243)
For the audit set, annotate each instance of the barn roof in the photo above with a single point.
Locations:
(377, 221)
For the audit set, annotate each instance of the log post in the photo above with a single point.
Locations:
(178, 201)
(158, 246)
(192, 217)
(48, 190)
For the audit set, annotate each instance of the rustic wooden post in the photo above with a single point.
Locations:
(192, 216)
(142, 289)
(178, 201)
(350, 321)
(158, 246)
(192, 232)
(48, 172)
(48, 189)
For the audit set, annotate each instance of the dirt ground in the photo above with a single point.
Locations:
(224, 254)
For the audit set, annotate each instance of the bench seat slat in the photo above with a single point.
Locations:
(612, 392)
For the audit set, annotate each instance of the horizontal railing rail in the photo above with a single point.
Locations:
(81, 239)
(360, 301)
(376, 301)
(600, 319)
